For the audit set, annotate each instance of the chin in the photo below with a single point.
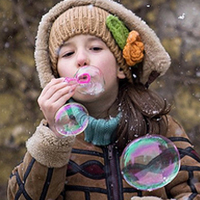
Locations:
(85, 98)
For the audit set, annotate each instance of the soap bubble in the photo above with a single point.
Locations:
(150, 162)
(71, 119)
(90, 80)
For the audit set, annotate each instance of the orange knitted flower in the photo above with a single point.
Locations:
(133, 50)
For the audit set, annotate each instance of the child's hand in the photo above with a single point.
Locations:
(53, 96)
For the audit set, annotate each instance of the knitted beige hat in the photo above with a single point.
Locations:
(82, 20)
(72, 17)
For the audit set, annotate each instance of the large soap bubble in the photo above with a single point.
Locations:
(150, 162)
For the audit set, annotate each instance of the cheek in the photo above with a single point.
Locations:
(108, 62)
(64, 69)
(61, 68)
(110, 75)
(110, 69)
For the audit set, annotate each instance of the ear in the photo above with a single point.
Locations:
(120, 73)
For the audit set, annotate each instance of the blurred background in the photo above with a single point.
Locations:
(176, 22)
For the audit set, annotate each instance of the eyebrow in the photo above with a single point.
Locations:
(65, 44)
(90, 39)
(94, 38)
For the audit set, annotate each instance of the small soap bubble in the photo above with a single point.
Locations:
(150, 162)
(71, 119)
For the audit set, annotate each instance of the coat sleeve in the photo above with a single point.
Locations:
(42, 173)
(186, 185)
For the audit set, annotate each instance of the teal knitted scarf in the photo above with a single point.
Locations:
(99, 131)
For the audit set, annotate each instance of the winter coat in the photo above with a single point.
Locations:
(72, 169)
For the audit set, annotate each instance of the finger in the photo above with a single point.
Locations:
(56, 100)
(57, 89)
(61, 92)
(53, 86)
(50, 108)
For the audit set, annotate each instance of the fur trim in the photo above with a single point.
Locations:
(155, 59)
(49, 150)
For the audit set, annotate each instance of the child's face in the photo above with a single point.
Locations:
(83, 50)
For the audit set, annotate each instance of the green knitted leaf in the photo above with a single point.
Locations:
(118, 30)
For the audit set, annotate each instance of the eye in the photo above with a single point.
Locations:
(68, 54)
(96, 48)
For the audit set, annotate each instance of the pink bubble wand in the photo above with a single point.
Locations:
(81, 79)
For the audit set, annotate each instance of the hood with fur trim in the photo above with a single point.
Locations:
(156, 60)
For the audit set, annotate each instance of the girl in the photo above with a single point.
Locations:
(102, 33)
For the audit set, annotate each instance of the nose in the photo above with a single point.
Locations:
(82, 59)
